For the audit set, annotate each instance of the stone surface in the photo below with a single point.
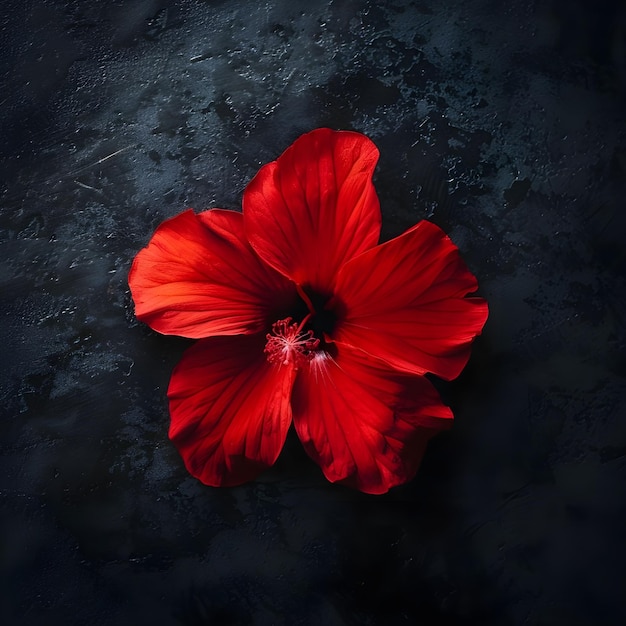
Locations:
(501, 122)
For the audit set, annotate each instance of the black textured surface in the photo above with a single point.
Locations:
(500, 121)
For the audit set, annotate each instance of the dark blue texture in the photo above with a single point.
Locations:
(502, 122)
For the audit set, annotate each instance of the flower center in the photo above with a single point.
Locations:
(322, 320)
(288, 344)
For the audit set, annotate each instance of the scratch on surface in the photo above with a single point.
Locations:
(84, 186)
(554, 325)
(102, 160)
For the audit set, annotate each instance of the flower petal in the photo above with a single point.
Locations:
(365, 425)
(229, 408)
(198, 277)
(315, 207)
(404, 302)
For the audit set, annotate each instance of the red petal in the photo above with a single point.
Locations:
(403, 302)
(315, 207)
(365, 425)
(199, 277)
(230, 409)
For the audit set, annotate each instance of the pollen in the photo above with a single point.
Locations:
(288, 344)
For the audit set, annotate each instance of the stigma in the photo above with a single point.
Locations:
(288, 344)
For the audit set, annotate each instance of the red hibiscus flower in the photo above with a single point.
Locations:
(302, 317)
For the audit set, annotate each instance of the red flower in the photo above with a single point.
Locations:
(302, 317)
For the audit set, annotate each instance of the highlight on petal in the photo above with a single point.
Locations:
(199, 277)
(315, 207)
(404, 302)
(365, 425)
(229, 408)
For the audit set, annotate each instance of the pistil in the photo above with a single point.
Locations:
(289, 344)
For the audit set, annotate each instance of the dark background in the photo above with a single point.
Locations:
(503, 122)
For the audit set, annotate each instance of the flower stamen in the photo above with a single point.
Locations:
(288, 344)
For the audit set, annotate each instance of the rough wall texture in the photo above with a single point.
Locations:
(501, 122)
